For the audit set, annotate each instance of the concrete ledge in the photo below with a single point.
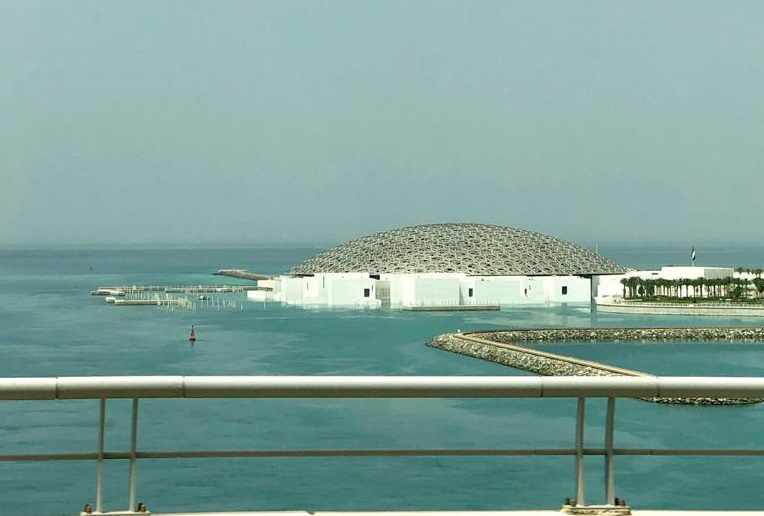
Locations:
(451, 308)
(686, 309)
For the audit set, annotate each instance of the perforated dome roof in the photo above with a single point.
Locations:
(475, 249)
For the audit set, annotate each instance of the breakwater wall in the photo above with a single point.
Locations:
(503, 347)
(622, 334)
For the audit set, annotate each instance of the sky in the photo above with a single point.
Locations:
(258, 122)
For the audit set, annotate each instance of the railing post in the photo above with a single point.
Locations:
(131, 470)
(580, 412)
(99, 466)
(609, 425)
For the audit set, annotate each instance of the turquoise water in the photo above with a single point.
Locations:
(51, 326)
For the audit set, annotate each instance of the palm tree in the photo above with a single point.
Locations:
(687, 283)
(697, 284)
(745, 285)
(759, 284)
(649, 286)
(740, 288)
(713, 284)
(663, 284)
(676, 285)
(729, 282)
(640, 287)
(633, 284)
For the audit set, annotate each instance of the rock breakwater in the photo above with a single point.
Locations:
(503, 347)
(623, 334)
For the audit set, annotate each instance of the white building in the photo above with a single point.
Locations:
(442, 265)
(610, 287)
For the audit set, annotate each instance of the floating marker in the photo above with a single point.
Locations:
(192, 337)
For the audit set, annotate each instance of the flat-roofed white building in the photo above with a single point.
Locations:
(611, 286)
(442, 265)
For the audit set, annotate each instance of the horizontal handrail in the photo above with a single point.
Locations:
(440, 452)
(580, 387)
(128, 387)
(282, 454)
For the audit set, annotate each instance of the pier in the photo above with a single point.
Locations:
(180, 302)
(174, 296)
(171, 289)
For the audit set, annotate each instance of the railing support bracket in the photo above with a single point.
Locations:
(598, 510)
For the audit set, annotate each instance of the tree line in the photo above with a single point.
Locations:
(698, 288)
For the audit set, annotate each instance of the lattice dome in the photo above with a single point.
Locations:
(475, 249)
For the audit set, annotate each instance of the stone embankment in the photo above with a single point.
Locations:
(503, 347)
(623, 335)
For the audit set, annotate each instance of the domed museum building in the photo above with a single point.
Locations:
(442, 266)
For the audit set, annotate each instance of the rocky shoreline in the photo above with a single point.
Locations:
(503, 347)
(241, 274)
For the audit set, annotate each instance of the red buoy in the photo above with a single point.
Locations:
(192, 337)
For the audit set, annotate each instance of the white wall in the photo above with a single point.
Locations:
(291, 291)
(532, 290)
(429, 291)
(260, 295)
(312, 288)
(425, 289)
(349, 291)
(265, 295)
(497, 290)
(718, 272)
(610, 285)
(401, 288)
(674, 272)
(579, 290)
(346, 290)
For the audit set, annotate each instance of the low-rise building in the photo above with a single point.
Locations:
(442, 265)
(612, 287)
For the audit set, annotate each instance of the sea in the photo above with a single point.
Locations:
(50, 326)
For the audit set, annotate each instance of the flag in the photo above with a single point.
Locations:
(692, 254)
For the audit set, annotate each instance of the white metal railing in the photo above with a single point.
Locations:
(136, 387)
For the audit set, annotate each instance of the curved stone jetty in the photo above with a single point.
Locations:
(504, 347)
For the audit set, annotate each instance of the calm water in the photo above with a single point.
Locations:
(50, 326)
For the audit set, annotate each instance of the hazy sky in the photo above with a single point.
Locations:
(321, 121)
